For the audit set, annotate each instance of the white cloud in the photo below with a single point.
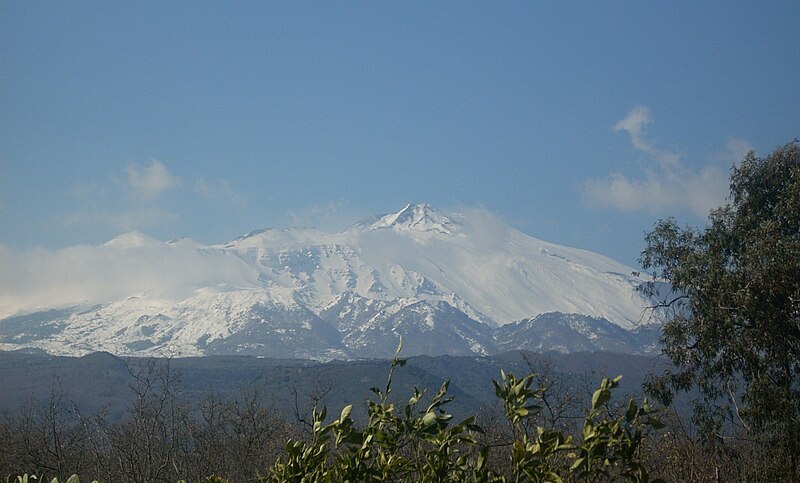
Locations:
(123, 204)
(130, 264)
(653, 192)
(634, 124)
(132, 201)
(668, 183)
(486, 230)
(148, 182)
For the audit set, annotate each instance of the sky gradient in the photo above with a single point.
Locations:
(580, 123)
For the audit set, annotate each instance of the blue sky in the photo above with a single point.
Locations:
(580, 123)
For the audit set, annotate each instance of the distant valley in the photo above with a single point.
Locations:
(101, 381)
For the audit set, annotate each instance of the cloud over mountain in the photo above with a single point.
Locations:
(667, 182)
(149, 181)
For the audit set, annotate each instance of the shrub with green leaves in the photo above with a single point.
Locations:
(419, 443)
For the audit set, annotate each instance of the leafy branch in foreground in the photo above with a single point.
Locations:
(418, 443)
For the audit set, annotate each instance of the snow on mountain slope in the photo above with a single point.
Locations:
(504, 275)
(452, 276)
(497, 277)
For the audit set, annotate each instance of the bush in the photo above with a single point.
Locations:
(418, 443)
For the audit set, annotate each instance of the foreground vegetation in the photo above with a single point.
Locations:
(539, 430)
(417, 443)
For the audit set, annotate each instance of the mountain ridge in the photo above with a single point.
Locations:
(454, 278)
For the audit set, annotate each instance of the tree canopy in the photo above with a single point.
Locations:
(735, 331)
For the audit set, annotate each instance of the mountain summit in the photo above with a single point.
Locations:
(420, 217)
(456, 283)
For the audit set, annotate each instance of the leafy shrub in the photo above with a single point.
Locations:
(418, 443)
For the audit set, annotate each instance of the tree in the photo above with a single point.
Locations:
(735, 333)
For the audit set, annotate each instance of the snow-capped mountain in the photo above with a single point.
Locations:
(455, 283)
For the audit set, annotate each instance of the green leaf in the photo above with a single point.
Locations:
(345, 413)
(632, 410)
(656, 423)
(482, 457)
(600, 397)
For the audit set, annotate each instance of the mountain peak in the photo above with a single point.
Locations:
(419, 217)
(132, 239)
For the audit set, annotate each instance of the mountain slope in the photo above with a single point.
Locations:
(444, 281)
